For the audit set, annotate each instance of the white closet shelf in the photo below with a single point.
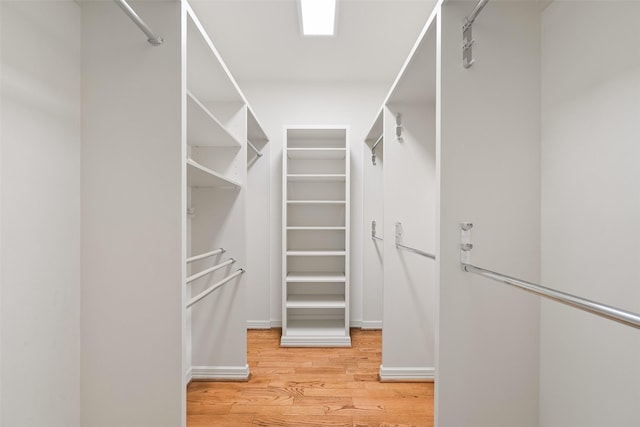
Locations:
(317, 177)
(200, 176)
(316, 253)
(204, 129)
(207, 75)
(327, 328)
(316, 277)
(255, 131)
(318, 228)
(316, 153)
(316, 301)
(316, 202)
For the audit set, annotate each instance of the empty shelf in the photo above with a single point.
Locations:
(316, 202)
(200, 176)
(315, 277)
(315, 301)
(329, 327)
(316, 253)
(204, 129)
(316, 177)
(317, 153)
(311, 228)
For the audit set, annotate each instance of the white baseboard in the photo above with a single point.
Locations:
(355, 324)
(189, 376)
(219, 373)
(371, 324)
(276, 323)
(407, 374)
(258, 324)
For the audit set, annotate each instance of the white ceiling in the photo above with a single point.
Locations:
(260, 39)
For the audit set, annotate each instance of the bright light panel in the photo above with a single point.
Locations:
(318, 17)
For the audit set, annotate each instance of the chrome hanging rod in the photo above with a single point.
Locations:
(373, 231)
(378, 141)
(209, 270)
(467, 36)
(476, 11)
(253, 147)
(409, 248)
(206, 255)
(151, 37)
(417, 251)
(603, 310)
(213, 288)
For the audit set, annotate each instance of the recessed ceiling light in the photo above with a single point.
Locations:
(318, 17)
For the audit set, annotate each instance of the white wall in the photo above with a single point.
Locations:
(40, 228)
(489, 171)
(257, 237)
(373, 250)
(590, 210)
(219, 321)
(280, 104)
(409, 308)
(133, 212)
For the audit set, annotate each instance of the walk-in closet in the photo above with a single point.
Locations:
(227, 213)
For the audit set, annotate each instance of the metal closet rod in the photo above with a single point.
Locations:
(476, 11)
(151, 37)
(253, 147)
(417, 251)
(213, 288)
(209, 270)
(376, 143)
(622, 316)
(206, 255)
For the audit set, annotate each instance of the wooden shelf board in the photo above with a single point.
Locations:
(316, 177)
(316, 153)
(316, 301)
(316, 253)
(200, 176)
(316, 202)
(316, 328)
(319, 228)
(207, 75)
(204, 129)
(314, 277)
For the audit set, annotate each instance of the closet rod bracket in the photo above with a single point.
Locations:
(467, 34)
(465, 243)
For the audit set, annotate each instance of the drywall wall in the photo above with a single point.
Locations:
(489, 170)
(590, 210)
(409, 308)
(280, 104)
(40, 227)
(132, 353)
(258, 192)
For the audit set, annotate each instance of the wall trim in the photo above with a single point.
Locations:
(258, 324)
(371, 324)
(219, 373)
(407, 374)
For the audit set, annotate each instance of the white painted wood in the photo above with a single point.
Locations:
(316, 202)
(489, 174)
(255, 131)
(590, 211)
(219, 373)
(316, 153)
(315, 253)
(40, 213)
(315, 305)
(132, 109)
(316, 277)
(208, 77)
(204, 129)
(315, 301)
(200, 176)
(316, 177)
(407, 374)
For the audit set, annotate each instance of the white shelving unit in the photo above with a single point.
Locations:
(315, 284)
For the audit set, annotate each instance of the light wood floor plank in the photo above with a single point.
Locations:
(309, 387)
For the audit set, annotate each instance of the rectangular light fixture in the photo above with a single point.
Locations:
(318, 17)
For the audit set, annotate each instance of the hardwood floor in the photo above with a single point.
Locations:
(300, 387)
